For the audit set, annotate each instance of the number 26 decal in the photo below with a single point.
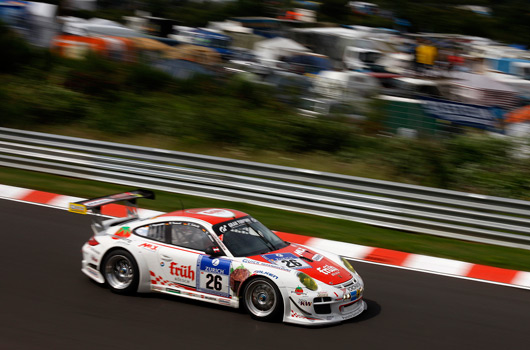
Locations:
(291, 263)
(214, 282)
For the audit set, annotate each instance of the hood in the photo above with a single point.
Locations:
(307, 261)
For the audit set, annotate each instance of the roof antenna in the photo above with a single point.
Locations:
(181, 204)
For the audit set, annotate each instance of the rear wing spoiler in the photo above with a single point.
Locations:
(93, 206)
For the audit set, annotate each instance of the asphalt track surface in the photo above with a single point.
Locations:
(47, 303)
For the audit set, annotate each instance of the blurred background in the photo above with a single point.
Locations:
(331, 98)
(407, 91)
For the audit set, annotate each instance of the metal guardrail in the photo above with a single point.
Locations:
(418, 209)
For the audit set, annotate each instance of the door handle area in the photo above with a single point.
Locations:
(166, 258)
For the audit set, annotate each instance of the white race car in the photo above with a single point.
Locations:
(220, 256)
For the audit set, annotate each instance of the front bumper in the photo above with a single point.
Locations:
(329, 304)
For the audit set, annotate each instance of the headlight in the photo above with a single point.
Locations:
(348, 265)
(307, 281)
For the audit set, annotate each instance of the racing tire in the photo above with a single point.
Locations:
(121, 272)
(263, 300)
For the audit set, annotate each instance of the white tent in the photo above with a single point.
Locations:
(273, 49)
(482, 90)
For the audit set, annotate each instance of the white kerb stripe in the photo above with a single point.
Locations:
(345, 249)
(63, 201)
(522, 278)
(440, 265)
(13, 192)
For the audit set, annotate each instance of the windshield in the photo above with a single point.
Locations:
(247, 236)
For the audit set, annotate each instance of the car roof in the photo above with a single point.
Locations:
(210, 215)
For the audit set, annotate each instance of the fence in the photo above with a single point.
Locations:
(471, 217)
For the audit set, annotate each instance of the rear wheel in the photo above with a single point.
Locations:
(263, 300)
(121, 272)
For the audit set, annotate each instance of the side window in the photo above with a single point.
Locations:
(154, 231)
(190, 235)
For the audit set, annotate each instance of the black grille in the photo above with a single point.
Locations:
(321, 299)
(322, 308)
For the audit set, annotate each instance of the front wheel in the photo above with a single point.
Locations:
(121, 272)
(263, 300)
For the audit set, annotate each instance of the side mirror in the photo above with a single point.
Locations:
(214, 251)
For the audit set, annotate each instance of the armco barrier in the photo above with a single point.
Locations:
(428, 264)
(418, 209)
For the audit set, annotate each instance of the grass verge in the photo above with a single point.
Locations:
(316, 226)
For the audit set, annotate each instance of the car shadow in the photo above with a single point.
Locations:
(372, 311)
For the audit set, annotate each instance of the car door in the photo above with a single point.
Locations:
(185, 264)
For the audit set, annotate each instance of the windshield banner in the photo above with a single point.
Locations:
(228, 225)
(475, 116)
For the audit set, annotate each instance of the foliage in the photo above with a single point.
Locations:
(16, 53)
(126, 100)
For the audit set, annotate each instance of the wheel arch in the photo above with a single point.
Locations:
(144, 282)
(283, 291)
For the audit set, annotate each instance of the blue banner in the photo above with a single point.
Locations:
(462, 113)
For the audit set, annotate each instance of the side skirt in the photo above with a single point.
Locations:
(214, 299)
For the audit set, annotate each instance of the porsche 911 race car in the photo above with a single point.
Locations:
(220, 256)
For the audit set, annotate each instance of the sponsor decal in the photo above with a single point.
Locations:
(298, 290)
(214, 275)
(209, 298)
(224, 301)
(97, 202)
(192, 224)
(123, 232)
(304, 302)
(353, 295)
(172, 291)
(181, 273)
(93, 258)
(299, 251)
(287, 260)
(162, 264)
(255, 262)
(77, 208)
(92, 271)
(226, 226)
(328, 270)
(237, 277)
(323, 294)
(297, 315)
(265, 273)
(149, 246)
(317, 257)
(214, 270)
